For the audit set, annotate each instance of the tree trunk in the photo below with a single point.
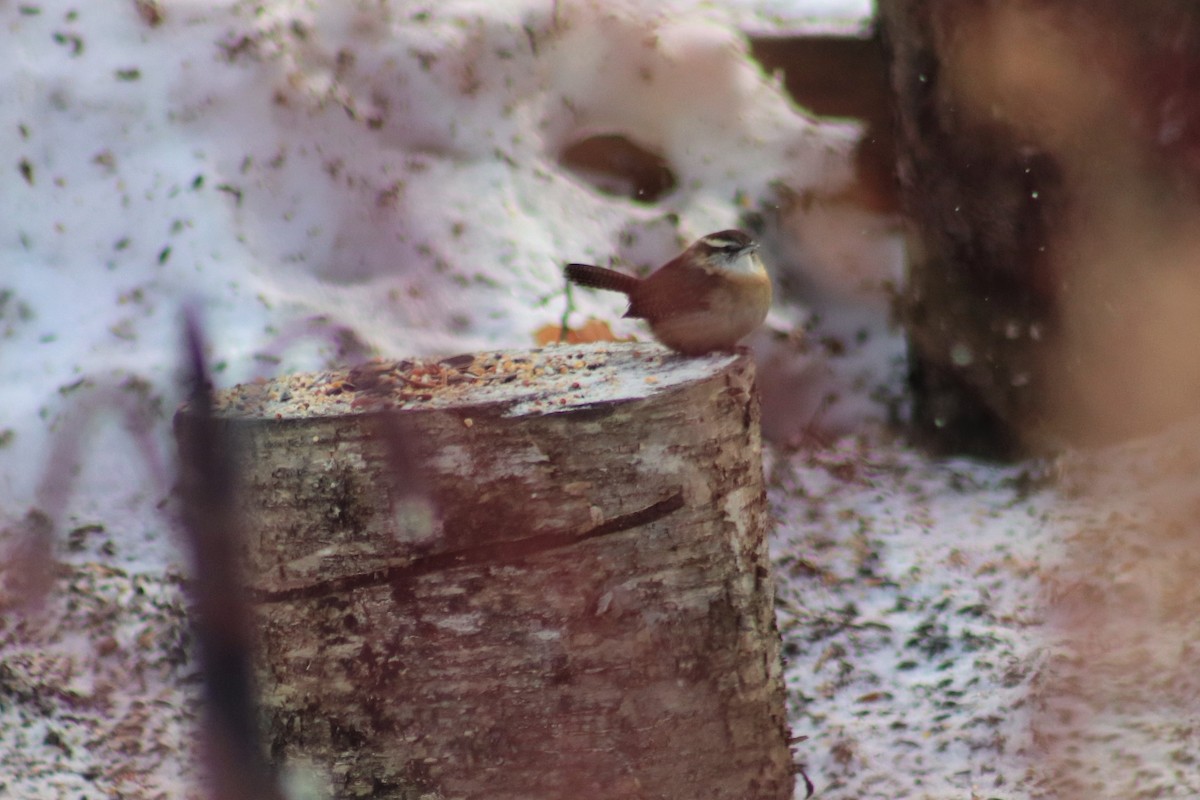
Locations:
(1047, 155)
(536, 575)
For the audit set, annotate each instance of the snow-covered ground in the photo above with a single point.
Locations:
(332, 180)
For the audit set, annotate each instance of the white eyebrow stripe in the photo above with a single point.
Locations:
(722, 242)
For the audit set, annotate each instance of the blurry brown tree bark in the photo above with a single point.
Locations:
(1049, 163)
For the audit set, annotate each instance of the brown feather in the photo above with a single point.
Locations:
(671, 291)
(601, 278)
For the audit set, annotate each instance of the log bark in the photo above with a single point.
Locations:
(534, 575)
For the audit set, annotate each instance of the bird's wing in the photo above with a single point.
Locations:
(673, 290)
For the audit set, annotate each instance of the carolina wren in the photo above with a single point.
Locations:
(706, 298)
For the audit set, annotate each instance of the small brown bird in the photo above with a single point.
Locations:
(706, 298)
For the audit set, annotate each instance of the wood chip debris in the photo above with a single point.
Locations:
(526, 381)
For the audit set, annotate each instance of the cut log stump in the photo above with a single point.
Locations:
(516, 575)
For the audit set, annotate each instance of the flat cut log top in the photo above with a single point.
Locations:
(509, 382)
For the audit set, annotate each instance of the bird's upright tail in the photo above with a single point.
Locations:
(600, 278)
